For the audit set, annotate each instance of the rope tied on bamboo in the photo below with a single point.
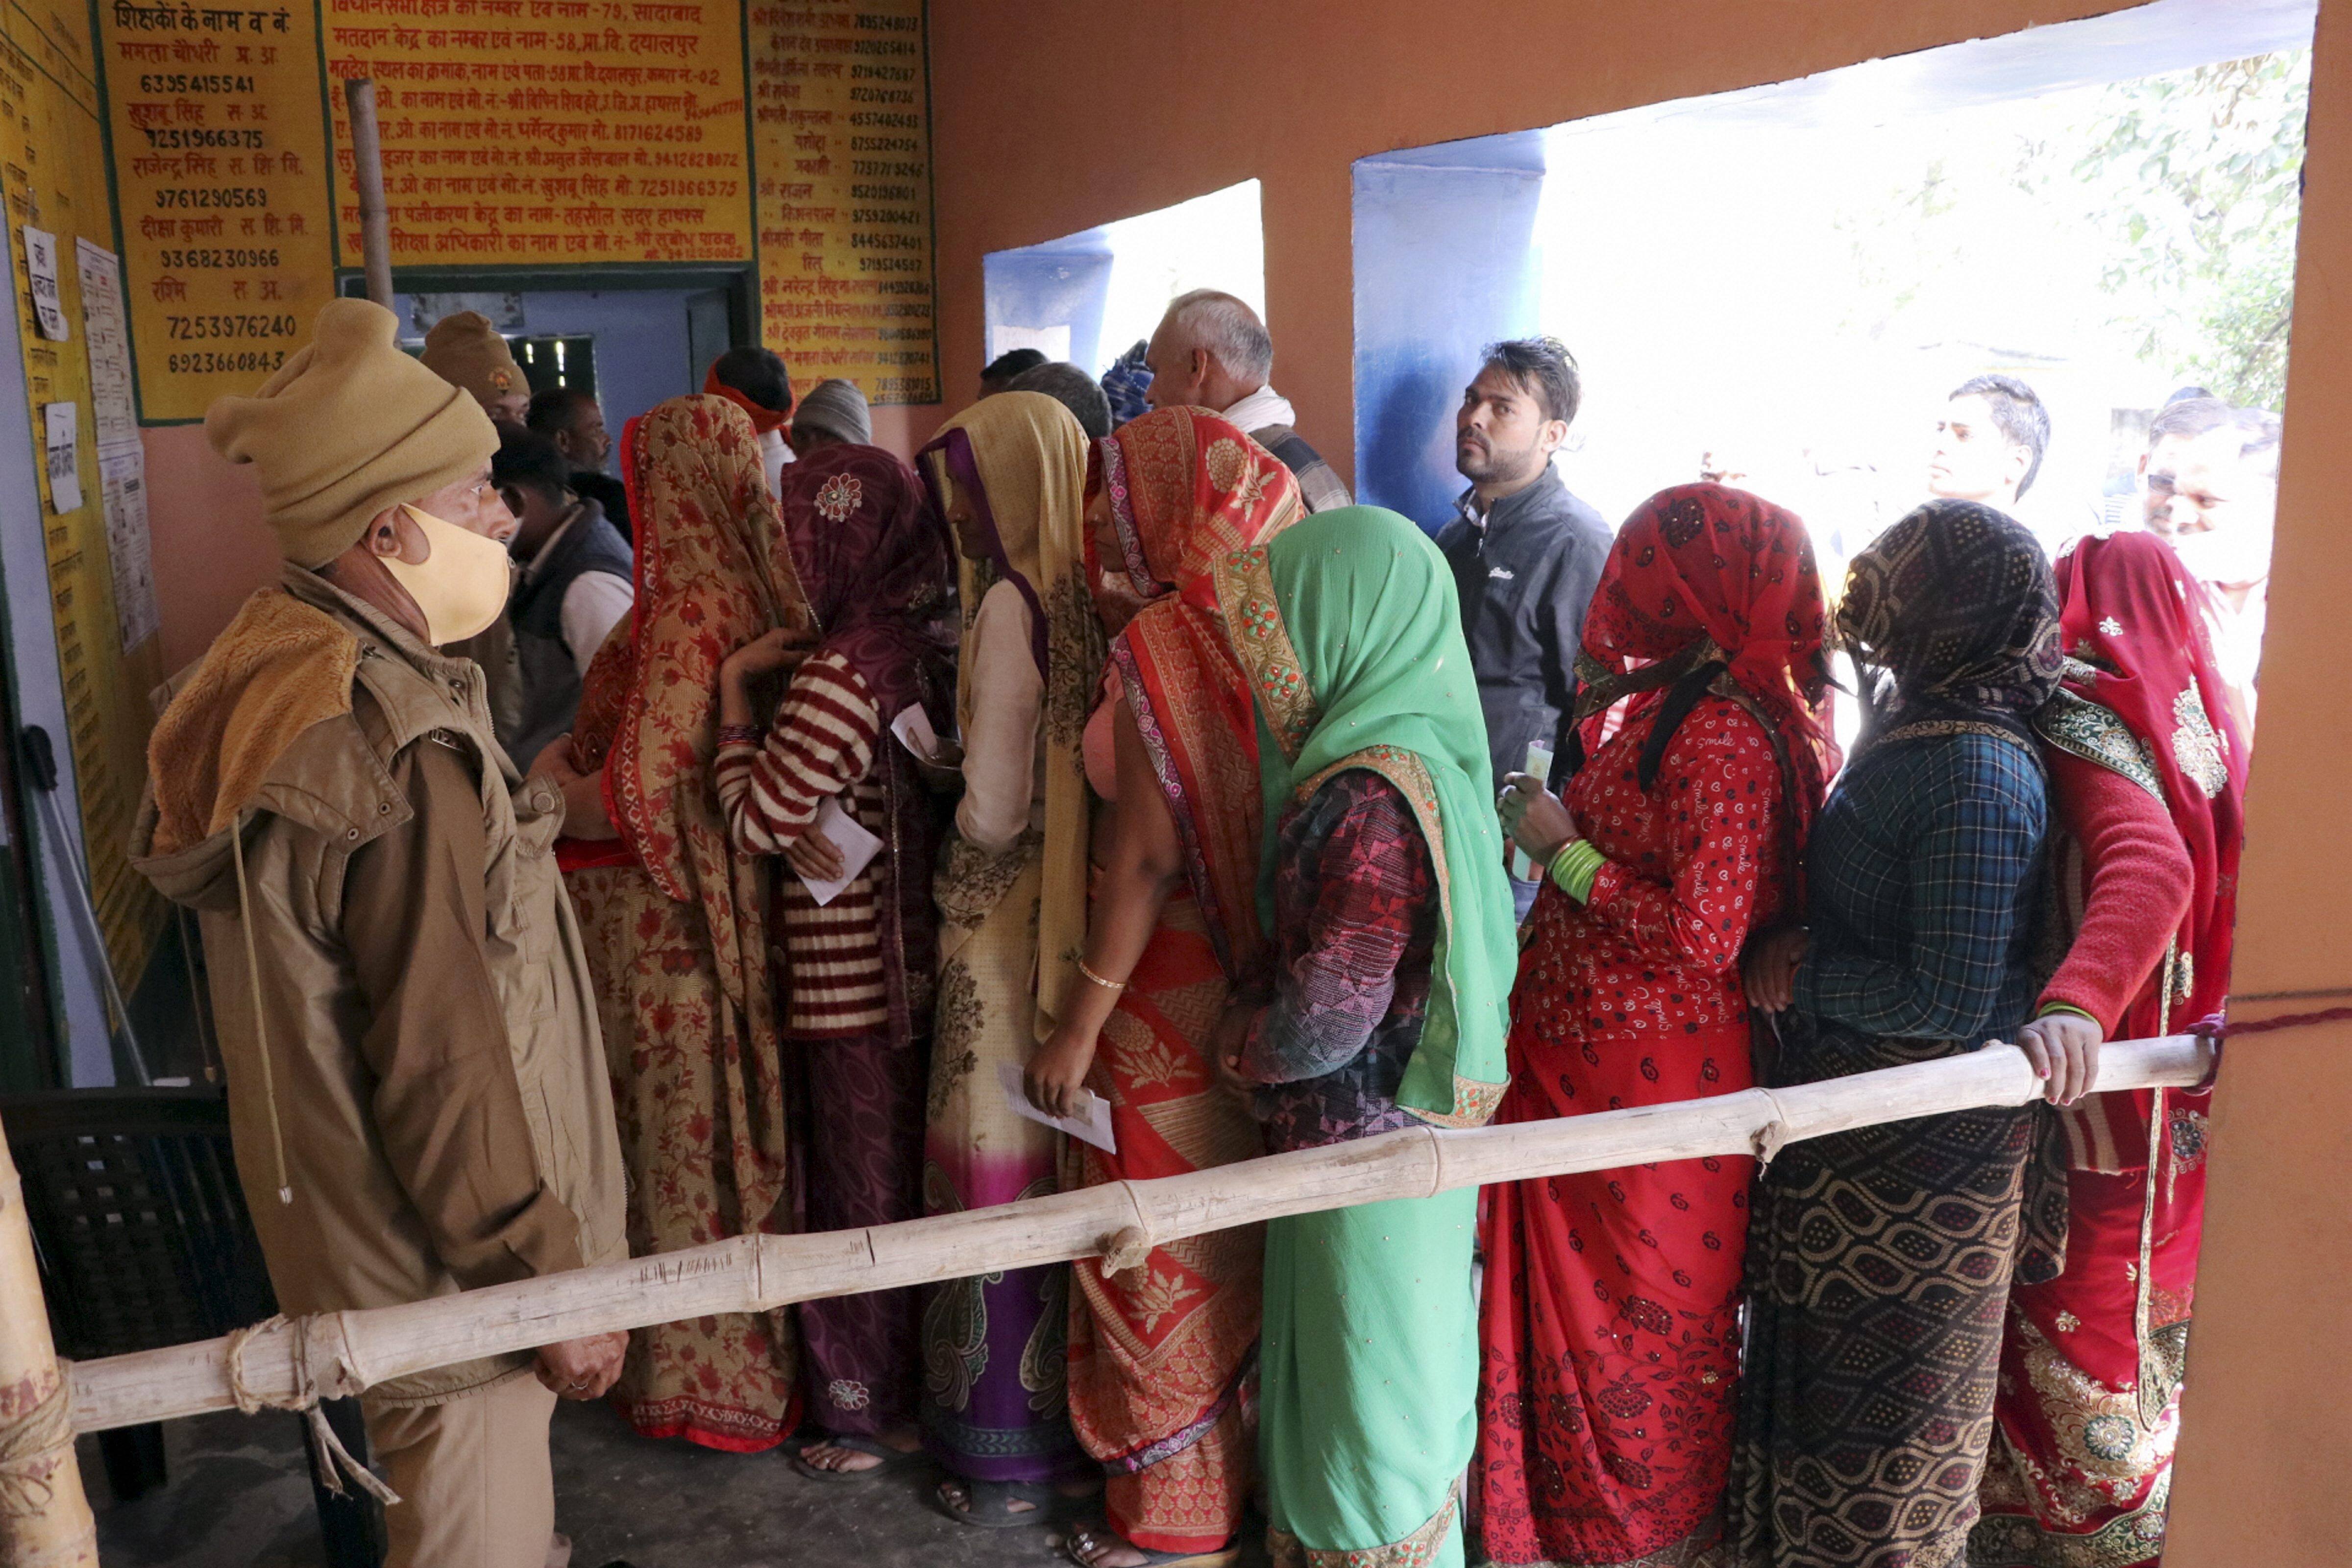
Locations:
(1130, 1245)
(332, 1460)
(32, 1442)
(1769, 1139)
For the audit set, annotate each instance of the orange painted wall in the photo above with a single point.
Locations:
(211, 549)
(1052, 116)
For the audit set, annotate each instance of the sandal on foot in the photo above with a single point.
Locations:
(1086, 1539)
(894, 1460)
(988, 1505)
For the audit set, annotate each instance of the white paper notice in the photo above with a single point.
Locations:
(123, 492)
(857, 845)
(114, 420)
(58, 446)
(41, 264)
(914, 731)
(1092, 1123)
(1539, 765)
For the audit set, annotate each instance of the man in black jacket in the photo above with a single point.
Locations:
(1526, 553)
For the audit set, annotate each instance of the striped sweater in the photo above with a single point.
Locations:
(771, 789)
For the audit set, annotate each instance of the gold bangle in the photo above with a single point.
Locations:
(1106, 984)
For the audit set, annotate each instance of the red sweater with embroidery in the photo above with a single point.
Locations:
(2133, 888)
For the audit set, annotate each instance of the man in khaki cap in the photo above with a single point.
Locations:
(467, 351)
(417, 1083)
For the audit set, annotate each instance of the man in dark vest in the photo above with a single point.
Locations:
(577, 584)
(1211, 352)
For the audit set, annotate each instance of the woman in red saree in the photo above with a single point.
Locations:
(2149, 772)
(1609, 1324)
(1160, 1345)
(676, 919)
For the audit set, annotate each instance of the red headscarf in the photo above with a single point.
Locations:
(1706, 573)
(2133, 624)
(1187, 490)
(763, 418)
(877, 565)
(712, 575)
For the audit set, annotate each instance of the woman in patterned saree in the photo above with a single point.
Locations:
(1880, 1259)
(1160, 1349)
(676, 919)
(2149, 772)
(857, 971)
(1009, 474)
(1382, 1007)
(1609, 1322)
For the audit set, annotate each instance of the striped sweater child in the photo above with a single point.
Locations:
(771, 789)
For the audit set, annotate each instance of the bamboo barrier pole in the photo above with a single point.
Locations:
(45, 1519)
(345, 1353)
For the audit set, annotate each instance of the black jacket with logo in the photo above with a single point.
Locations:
(1525, 576)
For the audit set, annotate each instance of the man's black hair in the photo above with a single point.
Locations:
(1010, 363)
(1544, 367)
(553, 410)
(758, 374)
(2017, 414)
(529, 457)
(1073, 389)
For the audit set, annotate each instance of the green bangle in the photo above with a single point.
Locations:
(1574, 866)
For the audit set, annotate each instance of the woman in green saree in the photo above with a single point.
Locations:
(1382, 1008)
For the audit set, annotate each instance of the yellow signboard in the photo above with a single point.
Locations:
(531, 132)
(840, 110)
(53, 172)
(220, 171)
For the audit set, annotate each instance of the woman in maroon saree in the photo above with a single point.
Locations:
(855, 977)
(2147, 772)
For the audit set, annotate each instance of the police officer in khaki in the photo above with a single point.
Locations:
(417, 1083)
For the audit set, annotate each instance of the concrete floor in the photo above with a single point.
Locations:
(239, 1497)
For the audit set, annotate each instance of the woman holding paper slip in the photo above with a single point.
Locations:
(676, 919)
(1160, 1350)
(1610, 1319)
(825, 786)
(1009, 474)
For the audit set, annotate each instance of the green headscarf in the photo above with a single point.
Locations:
(1347, 624)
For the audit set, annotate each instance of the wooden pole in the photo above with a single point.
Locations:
(367, 171)
(348, 1351)
(44, 1520)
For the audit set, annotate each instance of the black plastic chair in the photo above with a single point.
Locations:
(143, 1240)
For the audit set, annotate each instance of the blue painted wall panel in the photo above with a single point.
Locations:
(1444, 264)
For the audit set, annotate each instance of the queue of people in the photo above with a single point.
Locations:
(858, 818)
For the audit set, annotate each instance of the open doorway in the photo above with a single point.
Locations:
(1088, 297)
(1785, 283)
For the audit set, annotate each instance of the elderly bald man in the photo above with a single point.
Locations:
(1211, 352)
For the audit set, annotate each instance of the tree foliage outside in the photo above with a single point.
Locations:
(2196, 177)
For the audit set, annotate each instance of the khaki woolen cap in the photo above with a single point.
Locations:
(349, 427)
(466, 350)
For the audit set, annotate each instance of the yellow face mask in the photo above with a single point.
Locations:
(461, 586)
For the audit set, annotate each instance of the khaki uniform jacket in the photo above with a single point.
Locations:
(442, 1117)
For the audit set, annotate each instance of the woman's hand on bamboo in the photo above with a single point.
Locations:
(582, 1368)
(2064, 1050)
(1055, 1077)
(1770, 966)
(1535, 819)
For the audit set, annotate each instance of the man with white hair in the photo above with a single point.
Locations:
(1211, 352)
(2210, 485)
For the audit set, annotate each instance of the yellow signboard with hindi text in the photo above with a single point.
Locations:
(221, 177)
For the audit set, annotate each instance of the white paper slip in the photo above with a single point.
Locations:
(857, 845)
(914, 731)
(1092, 1123)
